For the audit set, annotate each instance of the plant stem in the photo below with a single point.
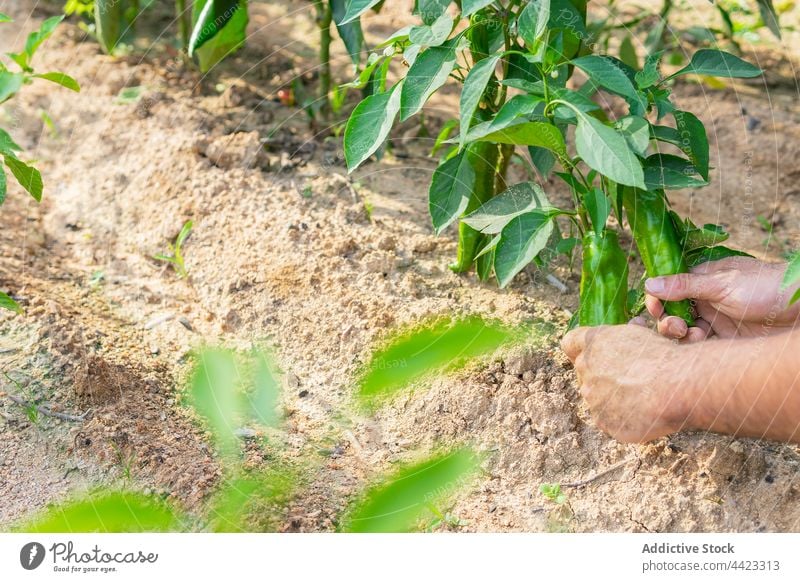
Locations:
(183, 23)
(324, 19)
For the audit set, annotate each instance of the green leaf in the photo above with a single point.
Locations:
(183, 234)
(609, 74)
(219, 29)
(649, 74)
(769, 16)
(22, 59)
(399, 503)
(214, 393)
(532, 133)
(263, 402)
(35, 39)
(606, 151)
(369, 125)
(792, 274)
(708, 254)
(497, 212)
(429, 72)
(718, 63)
(450, 188)
(472, 92)
(430, 10)
(532, 21)
(3, 186)
(7, 144)
(356, 8)
(5, 301)
(27, 176)
(107, 512)
(434, 34)
(61, 79)
(707, 236)
(668, 172)
(543, 160)
(4, 18)
(627, 52)
(598, 207)
(693, 140)
(469, 7)
(10, 83)
(108, 22)
(523, 238)
(636, 131)
(431, 348)
(351, 34)
(444, 134)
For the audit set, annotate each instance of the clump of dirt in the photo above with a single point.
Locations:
(290, 250)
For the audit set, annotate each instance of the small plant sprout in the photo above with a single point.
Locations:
(552, 491)
(175, 256)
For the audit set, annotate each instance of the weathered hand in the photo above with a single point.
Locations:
(735, 297)
(632, 380)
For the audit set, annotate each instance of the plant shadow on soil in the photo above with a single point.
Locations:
(286, 247)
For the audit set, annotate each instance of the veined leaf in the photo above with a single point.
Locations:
(218, 30)
(649, 74)
(532, 21)
(405, 497)
(715, 253)
(531, 133)
(474, 86)
(693, 140)
(718, 63)
(609, 73)
(668, 172)
(5, 301)
(369, 125)
(470, 7)
(351, 34)
(497, 212)
(450, 188)
(61, 79)
(523, 238)
(430, 10)
(636, 131)
(356, 8)
(433, 34)
(429, 72)
(27, 176)
(606, 151)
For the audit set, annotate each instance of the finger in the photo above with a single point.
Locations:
(700, 332)
(638, 320)
(673, 327)
(708, 287)
(575, 342)
(654, 306)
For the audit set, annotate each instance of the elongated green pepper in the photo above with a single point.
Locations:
(604, 280)
(657, 240)
(483, 158)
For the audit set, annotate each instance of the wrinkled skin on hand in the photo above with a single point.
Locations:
(631, 379)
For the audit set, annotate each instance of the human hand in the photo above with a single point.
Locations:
(735, 297)
(635, 397)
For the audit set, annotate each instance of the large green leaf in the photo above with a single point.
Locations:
(27, 176)
(693, 140)
(430, 10)
(522, 239)
(607, 152)
(430, 348)
(531, 133)
(5, 301)
(61, 79)
(532, 21)
(636, 131)
(10, 83)
(718, 63)
(107, 512)
(369, 125)
(472, 92)
(611, 75)
(452, 183)
(400, 502)
(356, 8)
(668, 172)
(433, 34)
(108, 22)
(497, 212)
(469, 7)
(219, 29)
(350, 32)
(429, 72)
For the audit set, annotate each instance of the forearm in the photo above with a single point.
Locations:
(747, 387)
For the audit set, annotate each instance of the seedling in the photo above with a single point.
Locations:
(175, 255)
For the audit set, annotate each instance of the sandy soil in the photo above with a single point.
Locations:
(289, 250)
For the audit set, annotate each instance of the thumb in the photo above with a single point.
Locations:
(703, 286)
(575, 342)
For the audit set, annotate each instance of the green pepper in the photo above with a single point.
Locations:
(658, 241)
(483, 158)
(604, 280)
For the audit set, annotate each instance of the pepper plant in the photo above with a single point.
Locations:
(516, 63)
(12, 80)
